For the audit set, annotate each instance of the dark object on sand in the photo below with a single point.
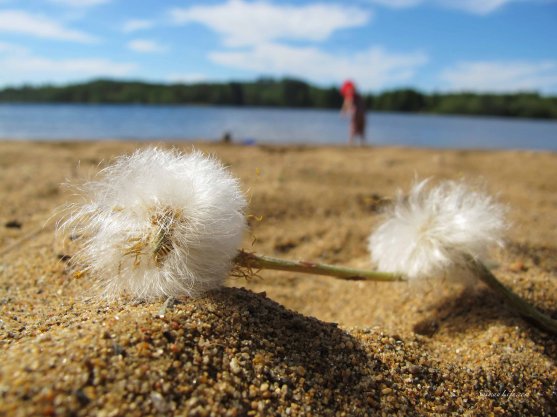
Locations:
(226, 138)
(13, 224)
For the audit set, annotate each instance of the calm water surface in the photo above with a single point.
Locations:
(76, 122)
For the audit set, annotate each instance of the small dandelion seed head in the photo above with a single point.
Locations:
(159, 223)
(432, 231)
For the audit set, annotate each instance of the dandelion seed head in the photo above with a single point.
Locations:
(159, 223)
(433, 230)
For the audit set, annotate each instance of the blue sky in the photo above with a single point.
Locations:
(432, 45)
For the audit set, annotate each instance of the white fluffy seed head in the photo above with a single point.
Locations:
(159, 223)
(433, 230)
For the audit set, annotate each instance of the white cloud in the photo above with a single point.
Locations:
(396, 4)
(187, 78)
(16, 21)
(373, 68)
(79, 3)
(11, 48)
(20, 66)
(146, 46)
(134, 25)
(248, 23)
(501, 76)
(481, 7)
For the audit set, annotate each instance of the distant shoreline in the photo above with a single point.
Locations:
(285, 93)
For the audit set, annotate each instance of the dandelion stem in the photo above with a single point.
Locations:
(256, 261)
(520, 305)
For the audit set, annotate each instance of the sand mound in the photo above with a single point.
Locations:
(236, 353)
(226, 354)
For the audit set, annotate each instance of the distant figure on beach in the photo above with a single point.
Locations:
(354, 106)
(226, 138)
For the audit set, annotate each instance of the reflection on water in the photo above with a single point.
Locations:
(48, 122)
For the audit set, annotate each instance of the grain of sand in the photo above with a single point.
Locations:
(286, 344)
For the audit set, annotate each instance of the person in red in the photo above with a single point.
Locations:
(354, 106)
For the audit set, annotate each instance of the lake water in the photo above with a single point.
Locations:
(264, 125)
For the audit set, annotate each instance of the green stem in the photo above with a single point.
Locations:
(524, 308)
(255, 261)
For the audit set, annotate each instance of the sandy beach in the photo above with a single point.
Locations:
(280, 343)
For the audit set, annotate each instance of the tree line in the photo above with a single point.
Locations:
(286, 92)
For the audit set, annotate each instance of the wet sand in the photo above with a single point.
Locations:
(286, 343)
